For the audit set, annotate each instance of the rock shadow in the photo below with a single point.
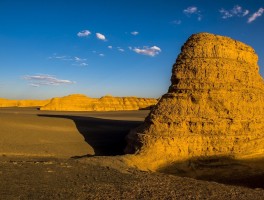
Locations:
(105, 136)
(246, 173)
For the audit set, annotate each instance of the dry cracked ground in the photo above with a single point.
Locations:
(77, 155)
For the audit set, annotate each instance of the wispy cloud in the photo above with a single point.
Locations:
(177, 22)
(98, 53)
(84, 33)
(58, 57)
(100, 36)
(135, 33)
(110, 47)
(120, 49)
(193, 10)
(190, 10)
(76, 61)
(83, 64)
(236, 11)
(80, 62)
(149, 51)
(255, 15)
(34, 85)
(45, 79)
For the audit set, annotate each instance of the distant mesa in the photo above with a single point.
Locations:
(78, 102)
(213, 108)
(22, 103)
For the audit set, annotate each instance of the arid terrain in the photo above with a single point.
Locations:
(78, 155)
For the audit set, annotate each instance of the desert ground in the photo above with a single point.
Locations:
(78, 155)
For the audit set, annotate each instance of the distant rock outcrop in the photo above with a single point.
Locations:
(213, 108)
(22, 103)
(78, 102)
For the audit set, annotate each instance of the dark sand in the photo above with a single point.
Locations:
(49, 155)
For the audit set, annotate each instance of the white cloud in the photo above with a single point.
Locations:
(178, 22)
(60, 57)
(246, 12)
(64, 58)
(225, 14)
(190, 10)
(77, 59)
(255, 15)
(156, 48)
(80, 61)
(149, 51)
(100, 36)
(236, 11)
(34, 85)
(45, 79)
(84, 33)
(135, 33)
(83, 64)
(101, 54)
(110, 47)
(120, 49)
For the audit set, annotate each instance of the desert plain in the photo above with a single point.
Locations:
(79, 155)
(131, 100)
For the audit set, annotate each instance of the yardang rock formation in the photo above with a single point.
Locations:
(79, 102)
(213, 108)
(22, 103)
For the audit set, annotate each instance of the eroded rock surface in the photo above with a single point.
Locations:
(213, 108)
(22, 103)
(78, 102)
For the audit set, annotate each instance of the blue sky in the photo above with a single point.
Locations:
(119, 47)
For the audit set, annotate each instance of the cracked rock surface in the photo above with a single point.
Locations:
(213, 109)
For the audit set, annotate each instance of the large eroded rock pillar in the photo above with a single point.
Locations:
(213, 108)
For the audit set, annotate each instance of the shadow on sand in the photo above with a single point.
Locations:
(247, 173)
(105, 136)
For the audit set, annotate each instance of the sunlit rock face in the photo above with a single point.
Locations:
(79, 102)
(110, 103)
(213, 108)
(22, 103)
(75, 102)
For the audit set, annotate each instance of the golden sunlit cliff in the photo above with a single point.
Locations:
(79, 102)
(213, 108)
(22, 103)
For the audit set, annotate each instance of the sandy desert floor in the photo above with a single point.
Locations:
(77, 155)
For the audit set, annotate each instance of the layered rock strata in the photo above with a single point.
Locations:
(22, 103)
(78, 102)
(213, 108)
